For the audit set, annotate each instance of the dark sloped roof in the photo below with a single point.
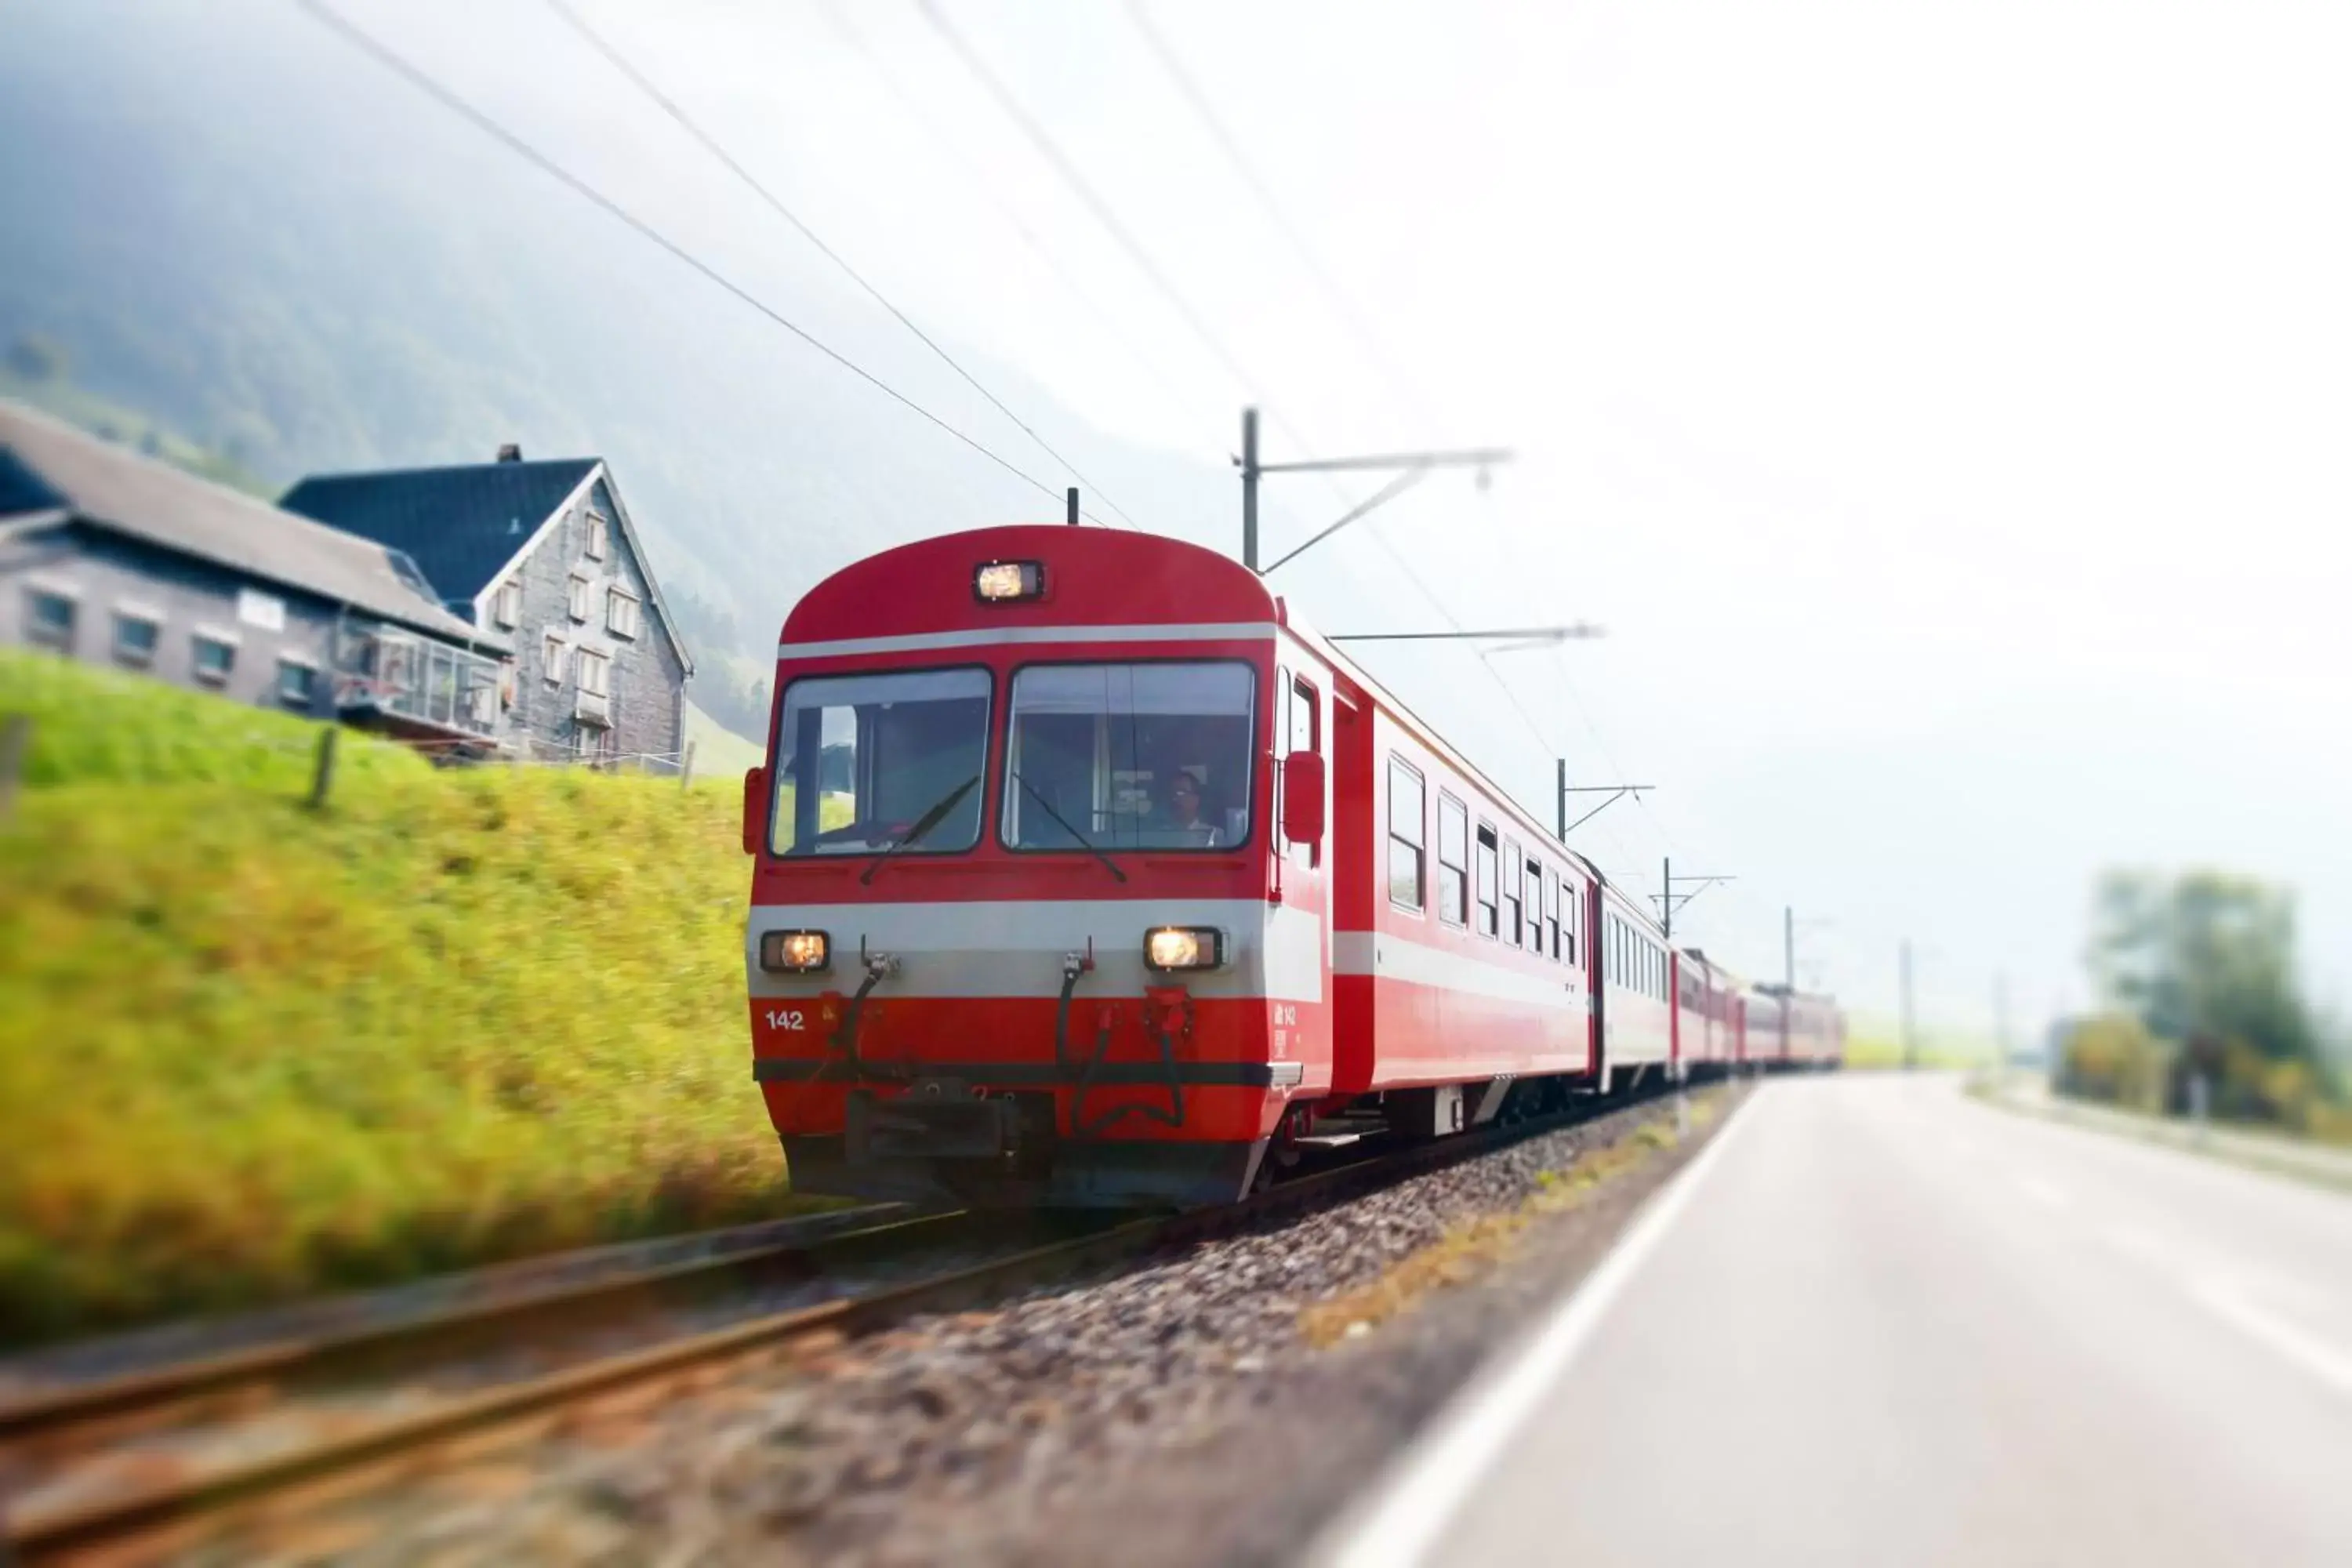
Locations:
(116, 488)
(459, 525)
(23, 491)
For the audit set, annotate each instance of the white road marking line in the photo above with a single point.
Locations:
(2329, 1364)
(2048, 1193)
(1411, 1502)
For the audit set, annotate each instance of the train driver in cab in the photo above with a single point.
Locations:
(1180, 814)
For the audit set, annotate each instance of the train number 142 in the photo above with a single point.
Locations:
(787, 1018)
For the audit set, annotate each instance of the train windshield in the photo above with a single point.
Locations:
(868, 762)
(1129, 756)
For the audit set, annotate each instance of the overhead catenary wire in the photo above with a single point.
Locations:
(367, 44)
(417, 77)
(686, 122)
(1343, 307)
(979, 178)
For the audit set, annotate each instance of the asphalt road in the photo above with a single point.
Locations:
(1880, 1323)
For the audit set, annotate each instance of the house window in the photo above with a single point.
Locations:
(1452, 862)
(1486, 906)
(595, 673)
(50, 619)
(506, 608)
(551, 659)
(578, 603)
(213, 658)
(297, 683)
(621, 613)
(1513, 928)
(265, 611)
(599, 533)
(1406, 833)
(135, 635)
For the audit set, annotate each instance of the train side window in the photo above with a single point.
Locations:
(1514, 917)
(1300, 714)
(1552, 916)
(1408, 829)
(1452, 861)
(1486, 906)
(1571, 912)
(1536, 943)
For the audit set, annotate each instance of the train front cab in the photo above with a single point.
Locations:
(987, 964)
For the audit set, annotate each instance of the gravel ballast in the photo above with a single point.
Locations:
(1174, 1410)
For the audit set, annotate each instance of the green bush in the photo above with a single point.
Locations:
(2113, 1057)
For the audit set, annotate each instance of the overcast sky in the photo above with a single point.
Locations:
(1942, 408)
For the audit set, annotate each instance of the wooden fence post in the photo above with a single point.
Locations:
(16, 744)
(322, 773)
(686, 768)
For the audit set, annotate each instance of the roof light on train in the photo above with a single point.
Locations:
(1004, 582)
(1183, 947)
(795, 951)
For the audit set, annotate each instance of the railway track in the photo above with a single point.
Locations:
(133, 1468)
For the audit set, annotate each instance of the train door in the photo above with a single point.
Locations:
(1298, 955)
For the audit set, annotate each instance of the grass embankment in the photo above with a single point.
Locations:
(248, 1051)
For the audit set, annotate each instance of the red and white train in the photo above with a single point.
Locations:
(1085, 874)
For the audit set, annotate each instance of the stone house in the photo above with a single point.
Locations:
(115, 558)
(542, 552)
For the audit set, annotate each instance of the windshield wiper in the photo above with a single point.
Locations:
(923, 824)
(1088, 844)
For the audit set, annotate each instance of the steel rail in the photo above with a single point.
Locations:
(55, 1414)
(180, 1503)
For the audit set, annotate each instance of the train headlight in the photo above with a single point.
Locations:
(795, 951)
(1183, 947)
(1004, 582)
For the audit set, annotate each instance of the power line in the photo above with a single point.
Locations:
(415, 77)
(1342, 305)
(978, 176)
(1060, 162)
(1047, 148)
(572, 20)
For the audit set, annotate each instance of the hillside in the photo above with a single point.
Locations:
(248, 1051)
(274, 249)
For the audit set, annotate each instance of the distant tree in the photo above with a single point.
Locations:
(2206, 960)
(38, 358)
(2113, 1057)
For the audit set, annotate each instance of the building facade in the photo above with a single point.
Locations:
(114, 558)
(542, 555)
